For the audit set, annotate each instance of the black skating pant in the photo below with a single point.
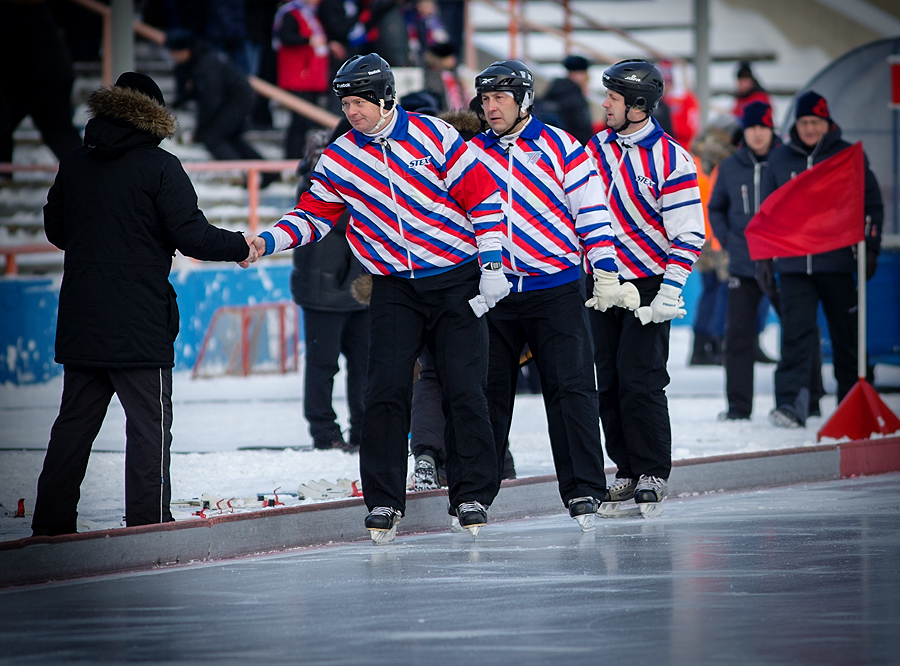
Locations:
(631, 379)
(146, 396)
(328, 335)
(406, 315)
(741, 340)
(553, 323)
(800, 295)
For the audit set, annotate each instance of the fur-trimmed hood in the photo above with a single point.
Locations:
(123, 119)
(135, 108)
(465, 122)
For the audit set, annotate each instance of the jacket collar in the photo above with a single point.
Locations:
(646, 142)
(530, 132)
(399, 133)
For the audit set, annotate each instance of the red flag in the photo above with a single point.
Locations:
(820, 210)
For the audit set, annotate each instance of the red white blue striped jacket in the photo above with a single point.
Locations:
(418, 201)
(655, 204)
(554, 206)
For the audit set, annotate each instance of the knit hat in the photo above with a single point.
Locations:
(757, 113)
(744, 71)
(812, 103)
(576, 63)
(142, 84)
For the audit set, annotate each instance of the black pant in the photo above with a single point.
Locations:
(146, 396)
(223, 134)
(405, 315)
(428, 425)
(553, 322)
(741, 340)
(631, 380)
(328, 335)
(800, 295)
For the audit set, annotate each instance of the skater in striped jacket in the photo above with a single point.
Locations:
(657, 218)
(554, 215)
(422, 210)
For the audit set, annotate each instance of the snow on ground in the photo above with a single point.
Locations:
(236, 437)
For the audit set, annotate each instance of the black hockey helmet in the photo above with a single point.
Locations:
(511, 76)
(638, 81)
(368, 76)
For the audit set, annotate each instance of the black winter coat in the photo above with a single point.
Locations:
(565, 99)
(794, 157)
(736, 197)
(120, 206)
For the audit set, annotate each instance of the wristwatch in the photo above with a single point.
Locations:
(493, 266)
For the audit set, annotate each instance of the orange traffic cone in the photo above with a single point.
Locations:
(861, 414)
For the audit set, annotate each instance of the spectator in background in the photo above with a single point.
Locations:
(260, 18)
(36, 78)
(334, 322)
(441, 77)
(225, 29)
(120, 206)
(301, 47)
(223, 96)
(828, 277)
(423, 24)
(748, 90)
(736, 197)
(380, 28)
(566, 100)
(337, 18)
(679, 108)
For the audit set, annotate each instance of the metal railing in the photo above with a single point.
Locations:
(253, 169)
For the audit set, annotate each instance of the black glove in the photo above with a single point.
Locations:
(871, 264)
(765, 278)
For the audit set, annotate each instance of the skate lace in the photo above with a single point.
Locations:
(620, 484)
(465, 507)
(653, 482)
(384, 511)
(424, 471)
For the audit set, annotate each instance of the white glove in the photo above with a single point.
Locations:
(667, 304)
(607, 291)
(493, 285)
(478, 305)
(631, 298)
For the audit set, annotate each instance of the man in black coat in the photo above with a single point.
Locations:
(223, 95)
(120, 206)
(827, 277)
(565, 99)
(735, 199)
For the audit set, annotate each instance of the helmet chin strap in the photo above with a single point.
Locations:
(628, 121)
(384, 116)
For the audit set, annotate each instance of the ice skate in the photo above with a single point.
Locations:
(382, 524)
(649, 495)
(620, 491)
(472, 516)
(425, 476)
(583, 509)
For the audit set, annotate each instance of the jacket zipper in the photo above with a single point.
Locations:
(746, 201)
(385, 148)
(509, 224)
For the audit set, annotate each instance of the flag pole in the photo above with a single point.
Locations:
(861, 309)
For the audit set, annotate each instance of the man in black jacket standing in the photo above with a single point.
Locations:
(827, 277)
(120, 206)
(566, 100)
(736, 197)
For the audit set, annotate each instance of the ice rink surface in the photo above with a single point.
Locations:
(804, 574)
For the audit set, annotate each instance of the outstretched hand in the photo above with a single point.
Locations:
(254, 255)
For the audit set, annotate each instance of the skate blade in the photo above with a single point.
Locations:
(383, 537)
(586, 522)
(474, 530)
(651, 509)
(614, 510)
(455, 527)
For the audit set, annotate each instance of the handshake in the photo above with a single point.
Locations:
(609, 292)
(257, 249)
